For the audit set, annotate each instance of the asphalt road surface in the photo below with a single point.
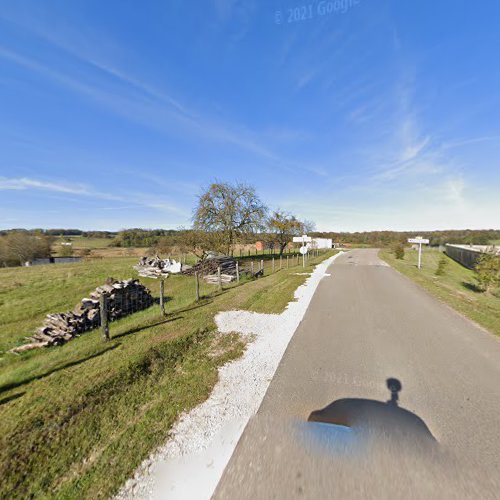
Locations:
(331, 424)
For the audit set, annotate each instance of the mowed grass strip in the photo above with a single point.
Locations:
(455, 287)
(78, 419)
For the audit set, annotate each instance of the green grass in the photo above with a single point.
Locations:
(455, 287)
(78, 419)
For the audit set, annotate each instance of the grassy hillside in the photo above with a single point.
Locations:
(78, 419)
(455, 286)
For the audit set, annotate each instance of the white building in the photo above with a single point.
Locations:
(321, 243)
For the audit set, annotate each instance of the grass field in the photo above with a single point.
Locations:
(80, 242)
(78, 419)
(455, 286)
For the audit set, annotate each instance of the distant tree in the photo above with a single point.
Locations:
(187, 241)
(21, 246)
(282, 227)
(308, 226)
(141, 238)
(488, 271)
(227, 212)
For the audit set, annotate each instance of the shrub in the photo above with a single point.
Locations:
(441, 266)
(488, 271)
(399, 251)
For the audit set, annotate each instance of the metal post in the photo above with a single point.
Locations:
(251, 267)
(273, 264)
(103, 303)
(162, 293)
(419, 255)
(220, 278)
(237, 272)
(262, 266)
(197, 279)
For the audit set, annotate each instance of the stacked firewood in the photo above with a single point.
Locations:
(154, 267)
(213, 279)
(122, 298)
(210, 266)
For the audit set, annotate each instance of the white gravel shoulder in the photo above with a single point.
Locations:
(202, 441)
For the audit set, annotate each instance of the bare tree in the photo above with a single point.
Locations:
(308, 226)
(282, 227)
(191, 241)
(228, 211)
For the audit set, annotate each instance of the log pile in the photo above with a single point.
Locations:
(213, 279)
(208, 269)
(122, 297)
(154, 267)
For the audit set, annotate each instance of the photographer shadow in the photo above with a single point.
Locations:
(379, 420)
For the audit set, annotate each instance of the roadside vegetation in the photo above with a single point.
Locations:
(452, 283)
(78, 419)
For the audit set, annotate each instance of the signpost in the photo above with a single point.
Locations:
(419, 241)
(304, 239)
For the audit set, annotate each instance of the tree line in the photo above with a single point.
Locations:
(225, 215)
(61, 232)
(437, 238)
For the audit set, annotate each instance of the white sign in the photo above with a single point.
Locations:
(419, 241)
(303, 250)
(302, 239)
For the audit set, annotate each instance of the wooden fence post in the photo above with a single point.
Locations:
(273, 264)
(262, 266)
(287, 262)
(237, 272)
(220, 278)
(281, 262)
(162, 293)
(197, 280)
(251, 267)
(103, 303)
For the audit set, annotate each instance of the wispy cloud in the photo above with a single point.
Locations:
(147, 200)
(154, 109)
(25, 183)
(472, 140)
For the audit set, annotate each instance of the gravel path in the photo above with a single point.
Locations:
(201, 443)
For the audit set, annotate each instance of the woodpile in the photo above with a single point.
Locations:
(154, 267)
(122, 298)
(208, 268)
(213, 279)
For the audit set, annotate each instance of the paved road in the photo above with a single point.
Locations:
(437, 436)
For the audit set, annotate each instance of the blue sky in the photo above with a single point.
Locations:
(377, 114)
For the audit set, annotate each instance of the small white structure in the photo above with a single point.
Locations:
(322, 243)
(316, 243)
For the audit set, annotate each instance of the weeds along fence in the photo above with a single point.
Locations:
(246, 268)
(257, 266)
